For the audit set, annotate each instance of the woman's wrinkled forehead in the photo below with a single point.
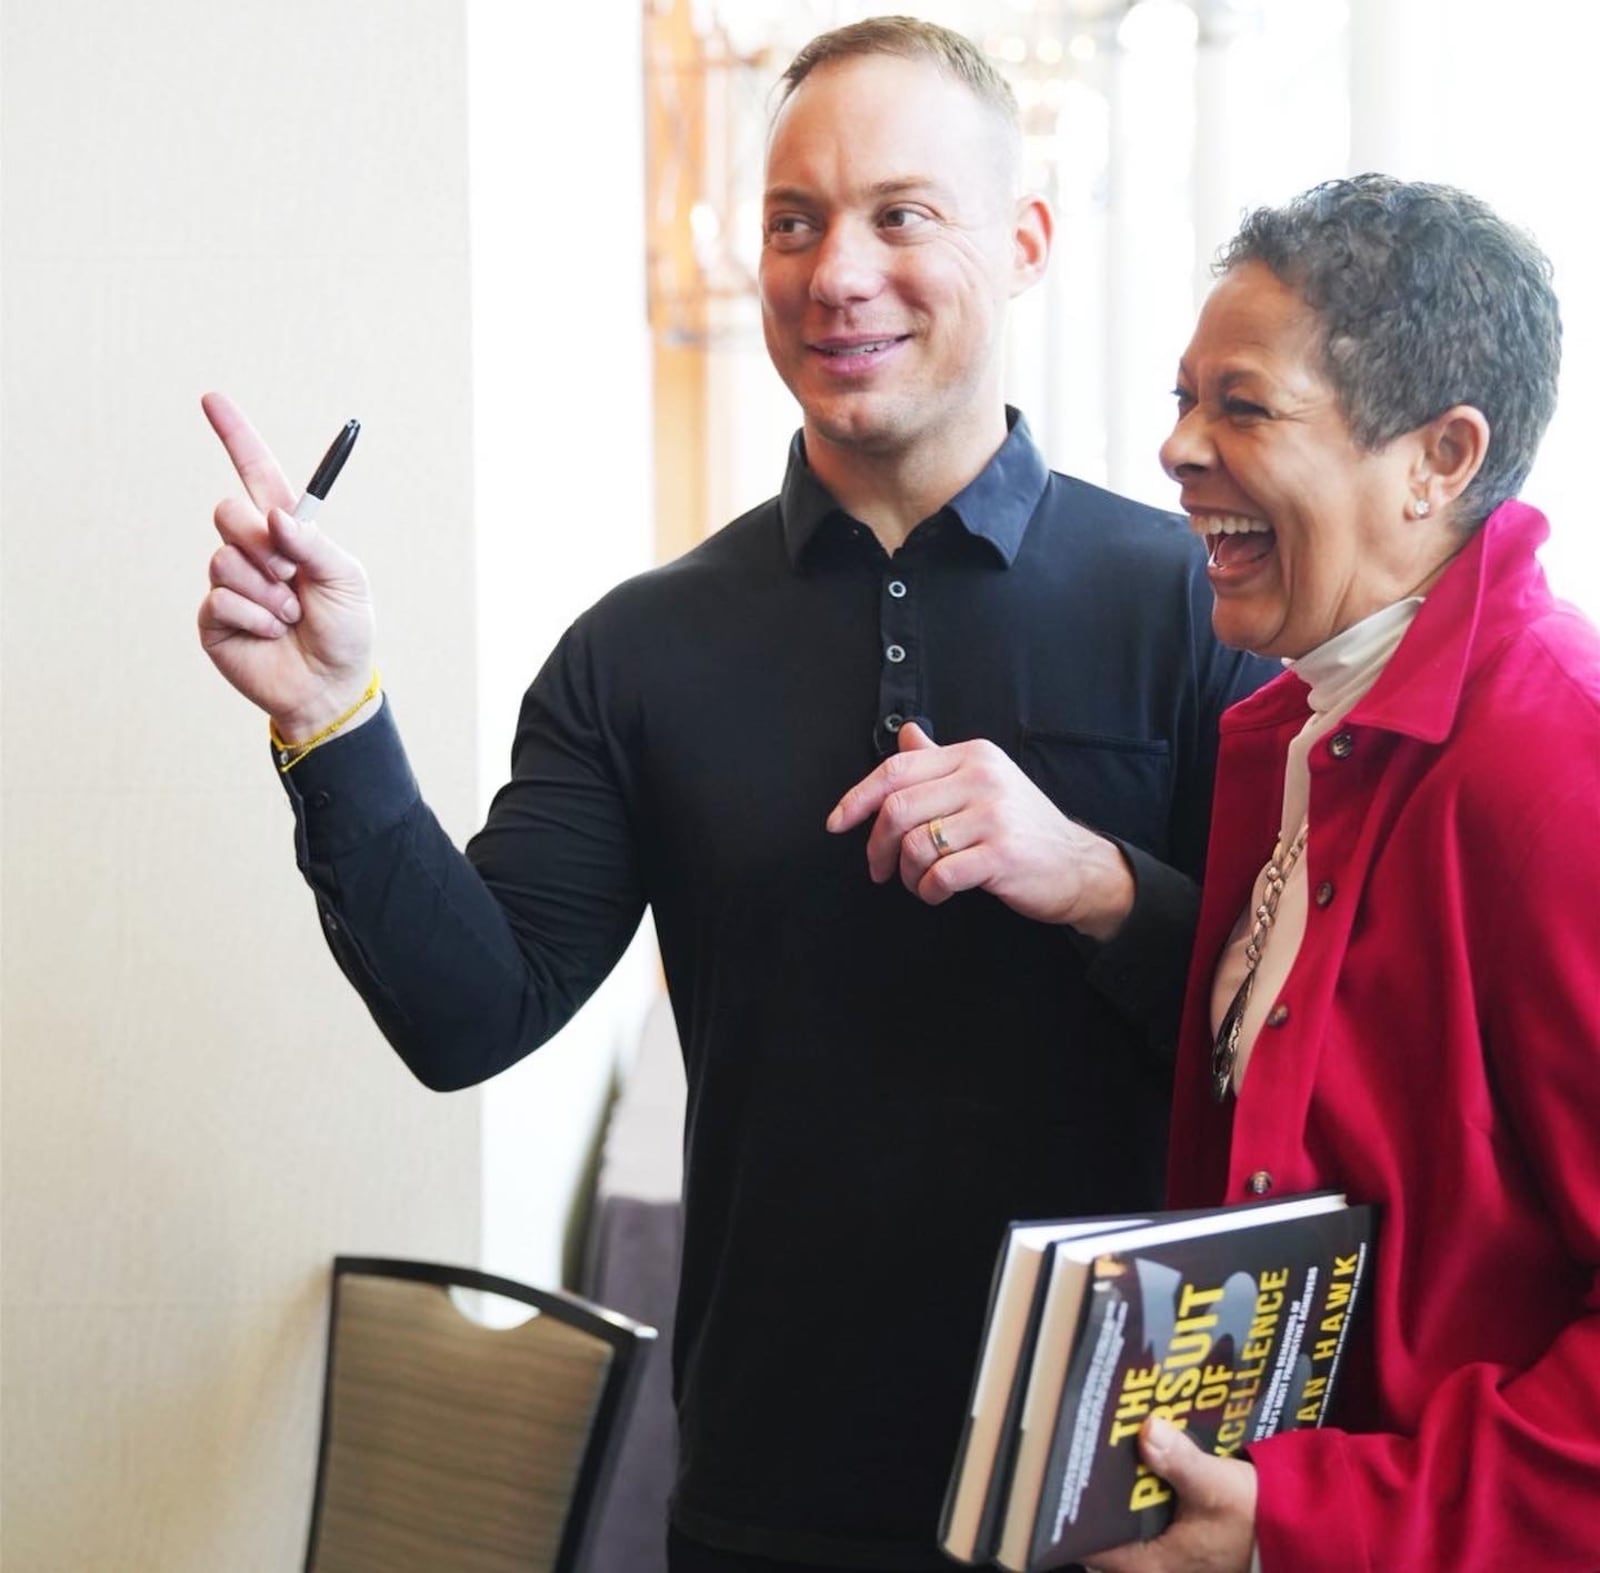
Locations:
(1255, 324)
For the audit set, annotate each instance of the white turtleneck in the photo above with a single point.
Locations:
(1338, 673)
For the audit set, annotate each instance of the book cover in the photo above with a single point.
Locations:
(1231, 1325)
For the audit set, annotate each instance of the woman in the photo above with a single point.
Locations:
(1396, 989)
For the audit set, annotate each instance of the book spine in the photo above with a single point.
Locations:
(1005, 1464)
(969, 1466)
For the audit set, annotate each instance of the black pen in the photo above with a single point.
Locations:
(327, 471)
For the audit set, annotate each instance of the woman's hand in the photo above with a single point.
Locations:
(1215, 1529)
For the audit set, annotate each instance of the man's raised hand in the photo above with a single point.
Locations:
(288, 618)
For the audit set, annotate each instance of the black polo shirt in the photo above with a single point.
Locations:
(875, 1086)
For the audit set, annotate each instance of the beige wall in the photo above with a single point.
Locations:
(562, 483)
(267, 197)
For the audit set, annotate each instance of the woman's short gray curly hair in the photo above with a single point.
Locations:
(1428, 299)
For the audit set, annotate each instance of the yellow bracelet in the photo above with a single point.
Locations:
(290, 754)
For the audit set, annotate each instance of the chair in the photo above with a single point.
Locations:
(452, 1447)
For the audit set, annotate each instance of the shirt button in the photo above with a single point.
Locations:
(1259, 1183)
(895, 653)
(1277, 1015)
(1324, 893)
(897, 589)
(1342, 746)
(894, 722)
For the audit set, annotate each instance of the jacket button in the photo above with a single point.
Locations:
(1259, 1183)
(1277, 1015)
(1342, 745)
(1324, 893)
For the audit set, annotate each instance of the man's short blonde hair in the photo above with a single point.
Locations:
(912, 39)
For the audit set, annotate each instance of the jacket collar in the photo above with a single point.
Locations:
(1492, 587)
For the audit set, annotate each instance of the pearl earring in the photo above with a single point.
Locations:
(1421, 508)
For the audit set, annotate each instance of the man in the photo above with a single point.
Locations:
(879, 1076)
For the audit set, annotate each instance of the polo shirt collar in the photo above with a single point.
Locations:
(995, 506)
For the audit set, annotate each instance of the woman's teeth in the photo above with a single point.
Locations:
(1232, 524)
(1228, 540)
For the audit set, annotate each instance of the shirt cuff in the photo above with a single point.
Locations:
(350, 789)
(1142, 969)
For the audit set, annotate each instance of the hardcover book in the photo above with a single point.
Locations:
(1230, 1323)
(975, 1499)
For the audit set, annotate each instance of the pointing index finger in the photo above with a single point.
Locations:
(263, 479)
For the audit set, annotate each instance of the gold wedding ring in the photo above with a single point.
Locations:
(941, 847)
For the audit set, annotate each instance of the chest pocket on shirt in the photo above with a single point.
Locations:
(1118, 786)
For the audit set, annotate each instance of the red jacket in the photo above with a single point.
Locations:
(1440, 1056)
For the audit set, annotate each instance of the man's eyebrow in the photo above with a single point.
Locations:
(907, 183)
(902, 185)
(790, 194)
